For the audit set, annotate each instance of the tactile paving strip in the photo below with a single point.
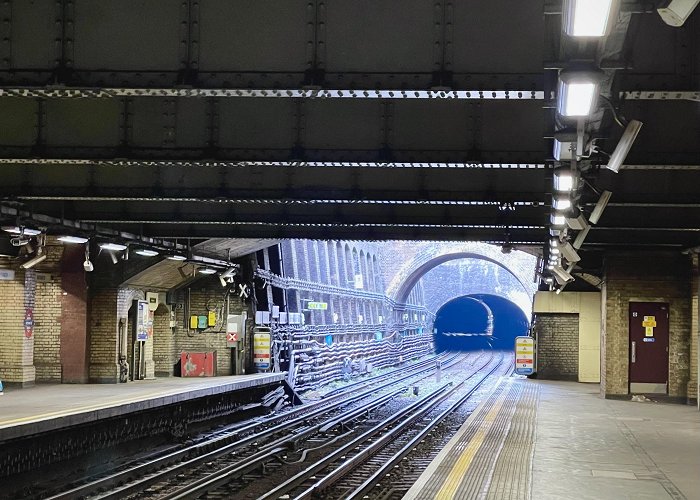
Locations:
(491, 455)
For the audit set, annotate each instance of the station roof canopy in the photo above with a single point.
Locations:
(389, 119)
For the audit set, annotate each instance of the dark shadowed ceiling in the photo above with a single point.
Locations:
(376, 119)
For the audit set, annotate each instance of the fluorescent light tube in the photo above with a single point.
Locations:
(114, 247)
(73, 239)
(176, 257)
(676, 12)
(600, 207)
(580, 237)
(18, 230)
(588, 17)
(207, 270)
(624, 145)
(33, 261)
(146, 252)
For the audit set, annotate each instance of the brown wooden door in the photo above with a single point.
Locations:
(648, 349)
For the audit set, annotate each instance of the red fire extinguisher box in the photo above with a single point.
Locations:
(198, 364)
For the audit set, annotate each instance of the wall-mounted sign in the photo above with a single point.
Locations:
(524, 355)
(28, 322)
(261, 349)
(319, 306)
(7, 274)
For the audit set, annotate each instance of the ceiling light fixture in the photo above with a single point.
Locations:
(563, 180)
(624, 145)
(207, 270)
(73, 239)
(561, 203)
(588, 18)
(176, 256)
(146, 252)
(577, 91)
(113, 247)
(564, 145)
(557, 220)
(600, 207)
(676, 12)
(39, 257)
(22, 230)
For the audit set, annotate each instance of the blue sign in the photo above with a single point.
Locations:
(649, 339)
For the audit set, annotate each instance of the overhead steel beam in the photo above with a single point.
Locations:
(62, 92)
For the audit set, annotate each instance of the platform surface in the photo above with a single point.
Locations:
(53, 406)
(545, 440)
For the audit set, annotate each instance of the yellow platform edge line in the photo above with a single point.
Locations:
(456, 475)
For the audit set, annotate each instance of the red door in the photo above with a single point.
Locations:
(648, 354)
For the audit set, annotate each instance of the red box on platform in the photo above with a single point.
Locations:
(198, 364)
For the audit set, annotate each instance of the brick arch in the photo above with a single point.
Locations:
(431, 255)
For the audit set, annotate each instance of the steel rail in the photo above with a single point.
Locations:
(279, 423)
(381, 473)
(350, 464)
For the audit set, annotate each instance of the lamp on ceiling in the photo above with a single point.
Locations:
(577, 92)
(564, 145)
(624, 145)
(600, 207)
(78, 240)
(589, 18)
(564, 180)
(676, 12)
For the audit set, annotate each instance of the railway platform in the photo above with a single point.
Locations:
(555, 440)
(50, 407)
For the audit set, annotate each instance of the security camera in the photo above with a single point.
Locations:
(19, 241)
(561, 275)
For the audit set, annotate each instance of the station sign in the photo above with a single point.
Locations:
(524, 355)
(318, 306)
(261, 349)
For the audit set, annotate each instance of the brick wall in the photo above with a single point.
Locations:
(103, 327)
(646, 277)
(694, 330)
(557, 346)
(164, 355)
(48, 316)
(17, 353)
(205, 295)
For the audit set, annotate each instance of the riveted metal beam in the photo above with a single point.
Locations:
(303, 93)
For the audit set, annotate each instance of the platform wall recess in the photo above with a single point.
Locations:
(555, 317)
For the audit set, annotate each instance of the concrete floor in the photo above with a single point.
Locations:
(591, 448)
(57, 405)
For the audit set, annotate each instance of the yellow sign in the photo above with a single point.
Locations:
(319, 306)
(649, 331)
(649, 321)
(211, 318)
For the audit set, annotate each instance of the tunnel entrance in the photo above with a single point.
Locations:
(478, 321)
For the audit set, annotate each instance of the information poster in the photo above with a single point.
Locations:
(524, 355)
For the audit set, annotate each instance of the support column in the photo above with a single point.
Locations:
(48, 315)
(104, 336)
(74, 317)
(693, 387)
(17, 329)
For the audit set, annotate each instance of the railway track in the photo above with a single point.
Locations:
(333, 447)
(238, 444)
